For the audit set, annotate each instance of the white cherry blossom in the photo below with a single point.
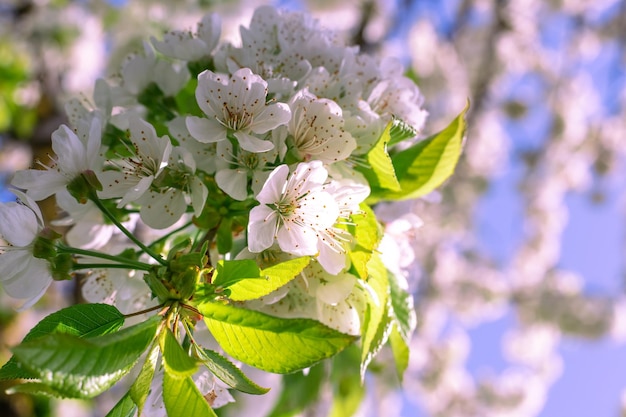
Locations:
(294, 210)
(190, 46)
(136, 174)
(236, 105)
(235, 171)
(316, 129)
(21, 274)
(72, 157)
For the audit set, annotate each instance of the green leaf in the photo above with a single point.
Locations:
(140, 389)
(83, 368)
(230, 272)
(270, 279)
(34, 388)
(426, 165)
(380, 173)
(402, 310)
(400, 350)
(125, 407)
(83, 320)
(299, 391)
(224, 235)
(270, 343)
(183, 399)
(226, 371)
(348, 391)
(377, 323)
(176, 361)
(367, 235)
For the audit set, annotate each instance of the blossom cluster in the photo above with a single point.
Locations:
(256, 151)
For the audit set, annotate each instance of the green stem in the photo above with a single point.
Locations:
(147, 310)
(93, 254)
(128, 234)
(78, 267)
(167, 236)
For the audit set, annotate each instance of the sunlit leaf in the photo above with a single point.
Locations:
(377, 323)
(270, 343)
(83, 320)
(83, 368)
(380, 172)
(400, 350)
(125, 407)
(426, 165)
(228, 373)
(183, 399)
(176, 361)
(270, 279)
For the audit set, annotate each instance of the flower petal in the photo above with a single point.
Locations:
(297, 240)
(253, 144)
(39, 184)
(261, 228)
(205, 130)
(18, 224)
(274, 186)
(271, 117)
(233, 182)
(161, 210)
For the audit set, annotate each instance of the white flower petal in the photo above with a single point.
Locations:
(333, 261)
(12, 264)
(136, 191)
(334, 291)
(261, 228)
(274, 185)
(39, 184)
(297, 240)
(18, 224)
(161, 210)
(31, 281)
(199, 194)
(233, 182)
(205, 130)
(271, 117)
(253, 144)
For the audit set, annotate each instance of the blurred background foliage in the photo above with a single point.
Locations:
(520, 254)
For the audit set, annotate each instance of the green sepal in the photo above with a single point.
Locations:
(61, 267)
(82, 320)
(228, 373)
(295, 343)
(83, 188)
(44, 245)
